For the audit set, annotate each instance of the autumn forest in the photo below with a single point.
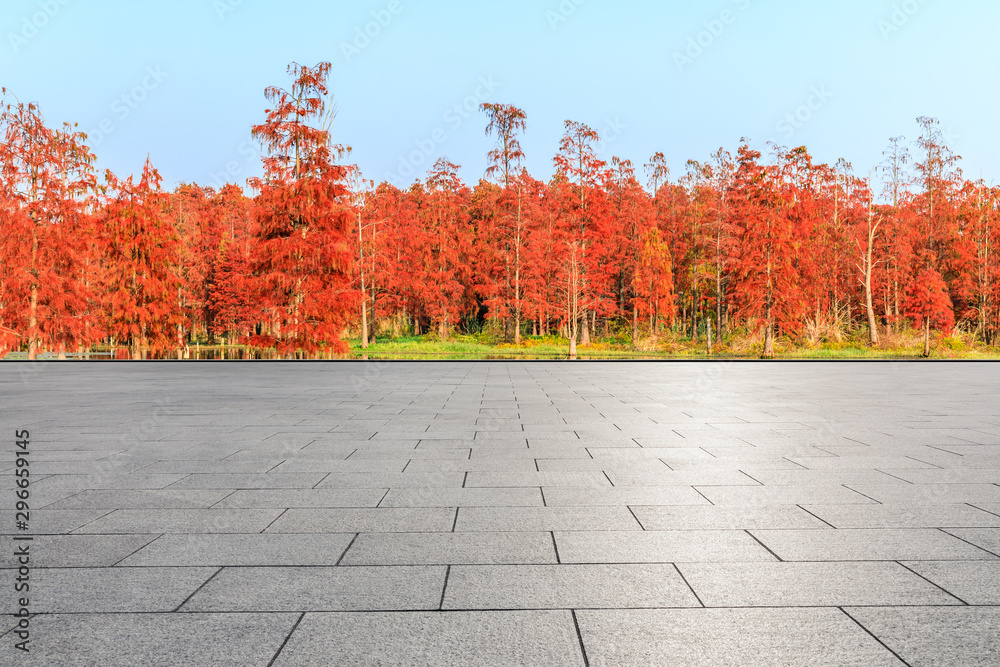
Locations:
(759, 248)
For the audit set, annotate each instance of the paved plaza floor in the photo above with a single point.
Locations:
(504, 513)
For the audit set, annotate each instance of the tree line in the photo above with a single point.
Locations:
(775, 247)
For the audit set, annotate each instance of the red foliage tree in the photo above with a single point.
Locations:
(141, 258)
(302, 256)
(767, 289)
(46, 185)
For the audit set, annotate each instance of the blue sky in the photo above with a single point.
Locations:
(183, 80)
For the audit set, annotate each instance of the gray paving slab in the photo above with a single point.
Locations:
(358, 520)
(724, 518)
(499, 476)
(275, 589)
(508, 479)
(904, 516)
(125, 499)
(59, 522)
(710, 637)
(566, 587)
(114, 590)
(78, 550)
(483, 519)
(974, 582)
(810, 585)
(930, 494)
(300, 498)
(659, 547)
(936, 636)
(391, 480)
(468, 497)
(565, 496)
(445, 639)
(301, 480)
(182, 521)
(984, 538)
(126, 640)
(868, 544)
(491, 548)
(241, 550)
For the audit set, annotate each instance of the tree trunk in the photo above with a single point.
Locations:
(33, 305)
(768, 340)
(708, 325)
(635, 326)
(927, 337)
(585, 336)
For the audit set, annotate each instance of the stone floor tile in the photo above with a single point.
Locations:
(868, 544)
(710, 637)
(181, 521)
(904, 516)
(566, 587)
(468, 497)
(276, 589)
(126, 499)
(567, 496)
(659, 547)
(114, 590)
(485, 639)
(936, 636)
(355, 520)
(78, 550)
(126, 640)
(484, 519)
(810, 585)
(451, 549)
(724, 518)
(975, 582)
(241, 550)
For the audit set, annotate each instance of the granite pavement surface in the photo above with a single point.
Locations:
(504, 513)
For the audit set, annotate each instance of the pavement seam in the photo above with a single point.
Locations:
(688, 584)
(289, 636)
(780, 559)
(973, 544)
(818, 517)
(933, 583)
(862, 494)
(698, 491)
(983, 510)
(873, 636)
(275, 519)
(350, 544)
(632, 512)
(212, 506)
(447, 573)
(203, 584)
(139, 549)
(579, 636)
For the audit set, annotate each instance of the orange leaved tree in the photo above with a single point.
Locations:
(302, 258)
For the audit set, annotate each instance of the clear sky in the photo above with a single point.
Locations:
(183, 80)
